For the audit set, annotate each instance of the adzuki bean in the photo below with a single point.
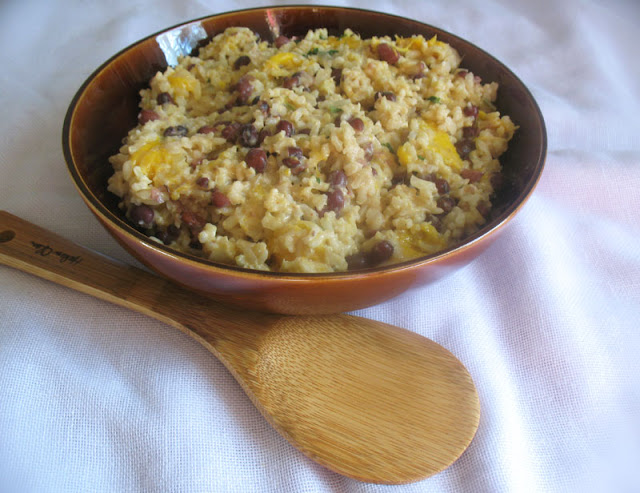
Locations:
(142, 215)
(257, 159)
(387, 54)
(147, 116)
(286, 127)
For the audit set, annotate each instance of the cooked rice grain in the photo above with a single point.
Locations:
(404, 153)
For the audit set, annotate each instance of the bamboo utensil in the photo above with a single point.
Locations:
(365, 399)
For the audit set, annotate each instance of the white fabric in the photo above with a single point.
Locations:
(96, 398)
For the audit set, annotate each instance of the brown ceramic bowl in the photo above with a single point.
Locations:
(106, 107)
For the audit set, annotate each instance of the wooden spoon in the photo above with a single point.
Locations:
(365, 399)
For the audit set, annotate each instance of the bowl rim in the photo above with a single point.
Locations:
(98, 207)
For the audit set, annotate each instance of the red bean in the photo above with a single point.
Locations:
(388, 54)
(473, 175)
(357, 261)
(176, 131)
(464, 147)
(286, 126)
(291, 162)
(400, 178)
(164, 98)
(207, 129)
(294, 164)
(295, 152)
(219, 199)
(169, 235)
(244, 88)
(281, 41)
(298, 169)
(257, 159)
(381, 252)
(336, 75)
(335, 200)
(442, 186)
(241, 61)
(249, 135)
(147, 116)
(446, 203)
(202, 182)
(291, 82)
(142, 215)
(195, 222)
(338, 178)
(263, 134)
(470, 132)
(470, 110)
(357, 124)
(231, 132)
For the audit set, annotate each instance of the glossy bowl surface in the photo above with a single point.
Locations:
(106, 107)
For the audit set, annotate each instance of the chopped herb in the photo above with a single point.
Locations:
(335, 109)
(318, 179)
(434, 99)
(489, 104)
(390, 147)
(289, 106)
(421, 158)
(323, 37)
(317, 51)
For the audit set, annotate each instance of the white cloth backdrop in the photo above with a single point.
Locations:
(96, 398)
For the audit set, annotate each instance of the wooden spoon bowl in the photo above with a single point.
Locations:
(366, 399)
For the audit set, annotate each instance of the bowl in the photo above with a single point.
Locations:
(106, 107)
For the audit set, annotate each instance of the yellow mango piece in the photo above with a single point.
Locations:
(406, 153)
(421, 239)
(283, 62)
(182, 83)
(149, 156)
(440, 143)
(434, 42)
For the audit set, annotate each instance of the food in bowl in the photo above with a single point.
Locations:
(318, 154)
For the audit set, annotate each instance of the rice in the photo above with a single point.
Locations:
(318, 154)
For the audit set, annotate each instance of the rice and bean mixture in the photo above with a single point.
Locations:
(319, 154)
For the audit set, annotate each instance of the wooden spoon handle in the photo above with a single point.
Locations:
(37, 251)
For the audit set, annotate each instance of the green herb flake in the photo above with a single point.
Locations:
(289, 106)
(390, 147)
(434, 99)
(332, 52)
(318, 180)
(491, 106)
(313, 51)
(335, 109)
(421, 158)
